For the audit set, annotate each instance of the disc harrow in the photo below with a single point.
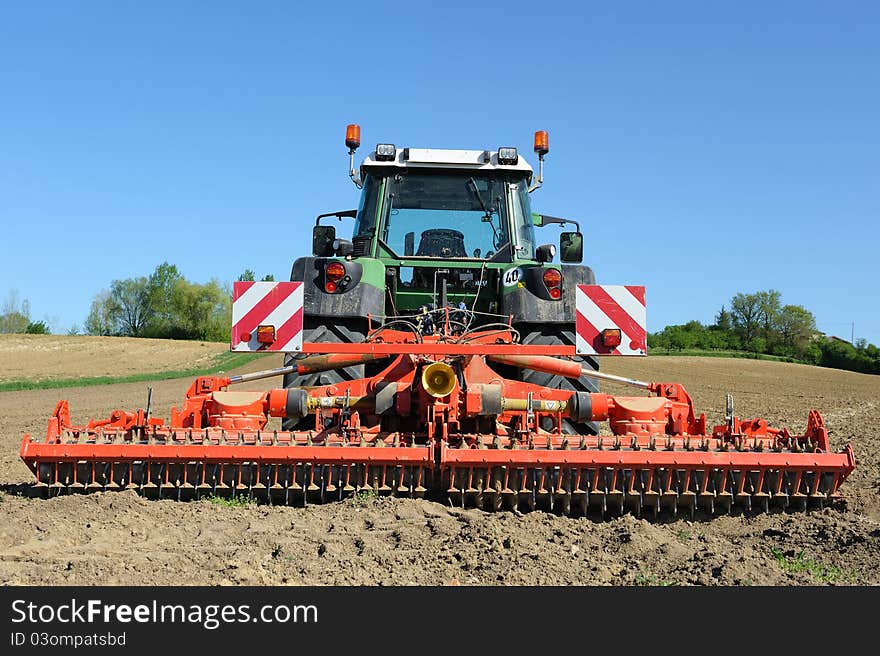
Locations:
(439, 421)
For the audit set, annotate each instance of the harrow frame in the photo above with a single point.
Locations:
(458, 429)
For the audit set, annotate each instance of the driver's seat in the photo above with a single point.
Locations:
(441, 242)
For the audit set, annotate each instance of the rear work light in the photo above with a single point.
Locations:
(385, 152)
(611, 337)
(265, 334)
(507, 156)
(553, 282)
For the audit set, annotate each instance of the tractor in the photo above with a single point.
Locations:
(442, 353)
(437, 229)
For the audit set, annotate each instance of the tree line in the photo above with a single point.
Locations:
(759, 323)
(164, 305)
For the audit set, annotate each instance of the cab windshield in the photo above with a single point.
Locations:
(449, 215)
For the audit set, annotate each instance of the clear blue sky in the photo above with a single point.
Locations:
(706, 148)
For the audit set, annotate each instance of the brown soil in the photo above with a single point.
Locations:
(120, 538)
(53, 357)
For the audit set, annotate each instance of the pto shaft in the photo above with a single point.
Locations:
(311, 365)
(566, 368)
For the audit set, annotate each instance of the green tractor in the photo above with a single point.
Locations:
(442, 235)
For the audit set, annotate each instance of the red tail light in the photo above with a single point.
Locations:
(553, 281)
(335, 271)
(330, 287)
(611, 337)
(265, 334)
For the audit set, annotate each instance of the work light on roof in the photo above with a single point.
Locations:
(507, 155)
(385, 152)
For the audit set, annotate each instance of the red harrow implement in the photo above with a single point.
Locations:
(439, 421)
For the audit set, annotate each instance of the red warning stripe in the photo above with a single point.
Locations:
(638, 291)
(239, 289)
(617, 314)
(590, 334)
(287, 331)
(263, 308)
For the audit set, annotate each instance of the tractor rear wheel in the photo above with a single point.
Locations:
(323, 329)
(550, 335)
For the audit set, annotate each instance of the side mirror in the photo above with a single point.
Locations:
(571, 247)
(409, 244)
(322, 240)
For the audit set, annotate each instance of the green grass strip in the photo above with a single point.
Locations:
(222, 362)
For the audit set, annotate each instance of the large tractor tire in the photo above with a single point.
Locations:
(553, 335)
(323, 329)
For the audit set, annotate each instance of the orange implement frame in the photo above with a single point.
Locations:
(438, 419)
(441, 348)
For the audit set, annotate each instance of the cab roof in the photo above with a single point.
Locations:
(435, 158)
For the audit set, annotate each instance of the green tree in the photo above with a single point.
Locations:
(723, 320)
(131, 302)
(16, 315)
(769, 306)
(678, 337)
(202, 311)
(164, 305)
(37, 328)
(102, 315)
(795, 327)
(753, 315)
(161, 284)
(250, 276)
(757, 345)
(746, 313)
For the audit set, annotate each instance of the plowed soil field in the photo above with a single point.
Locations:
(54, 357)
(120, 538)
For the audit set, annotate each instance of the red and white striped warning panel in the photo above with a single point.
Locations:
(611, 320)
(267, 316)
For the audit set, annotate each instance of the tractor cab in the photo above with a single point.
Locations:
(445, 205)
(446, 225)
